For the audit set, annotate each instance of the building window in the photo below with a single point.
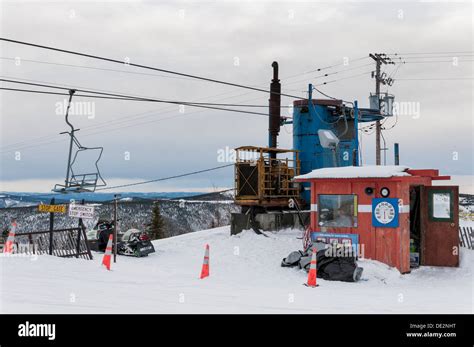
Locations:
(337, 210)
(441, 205)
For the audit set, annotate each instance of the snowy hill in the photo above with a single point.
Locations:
(246, 277)
(19, 199)
(180, 216)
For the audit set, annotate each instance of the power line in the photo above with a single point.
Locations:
(342, 71)
(65, 94)
(139, 115)
(333, 73)
(175, 77)
(131, 72)
(343, 78)
(418, 53)
(433, 61)
(103, 124)
(122, 120)
(435, 79)
(115, 122)
(107, 124)
(326, 95)
(334, 65)
(123, 71)
(144, 67)
(432, 56)
(94, 68)
(131, 98)
(166, 178)
(412, 59)
(134, 98)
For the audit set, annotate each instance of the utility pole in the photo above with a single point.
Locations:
(379, 79)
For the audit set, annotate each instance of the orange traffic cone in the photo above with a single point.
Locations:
(205, 264)
(8, 248)
(312, 271)
(108, 253)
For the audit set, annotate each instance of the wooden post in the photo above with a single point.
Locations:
(51, 229)
(87, 242)
(80, 227)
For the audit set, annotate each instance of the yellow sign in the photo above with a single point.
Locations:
(52, 208)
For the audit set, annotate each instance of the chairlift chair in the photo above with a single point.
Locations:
(79, 182)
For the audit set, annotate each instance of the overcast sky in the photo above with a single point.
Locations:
(232, 41)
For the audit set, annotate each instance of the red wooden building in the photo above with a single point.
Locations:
(394, 211)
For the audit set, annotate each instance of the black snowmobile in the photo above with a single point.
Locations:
(135, 243)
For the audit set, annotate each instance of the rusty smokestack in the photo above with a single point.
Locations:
(274, 109)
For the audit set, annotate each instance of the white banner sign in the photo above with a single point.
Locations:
(81, 211)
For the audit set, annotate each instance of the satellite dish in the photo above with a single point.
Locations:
(328, 139)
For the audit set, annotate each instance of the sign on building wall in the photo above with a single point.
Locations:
(346, 240)
(385, 212)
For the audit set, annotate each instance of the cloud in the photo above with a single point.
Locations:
(208, 39)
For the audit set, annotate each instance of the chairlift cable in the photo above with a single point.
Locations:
(167, 178)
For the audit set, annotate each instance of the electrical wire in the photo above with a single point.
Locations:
(125, 119)
(131, 98)
(334, 65)
(136, 116)
(393, 125)
(109, 129)
(333, 73)
(139, 73)
(435, 79)
(166, 178)
(418, 53)
(92, 96)
(81, 66)
(433, 61)
(144, 67)
(175, 77)
(342, 71)
(343, 78)
(434, 57)
(136, 99)
(94, 68)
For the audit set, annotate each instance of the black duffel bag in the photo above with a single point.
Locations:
(331, 266)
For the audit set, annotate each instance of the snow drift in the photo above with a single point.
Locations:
(245, 277)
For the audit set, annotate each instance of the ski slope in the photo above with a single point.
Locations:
(246, 277)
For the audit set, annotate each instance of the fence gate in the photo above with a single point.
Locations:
(61, 240)
(69, 242)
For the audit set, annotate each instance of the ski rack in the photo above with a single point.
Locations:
(82, 182)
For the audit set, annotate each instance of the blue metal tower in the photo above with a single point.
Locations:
(310, 116)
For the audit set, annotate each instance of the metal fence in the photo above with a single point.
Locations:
(69, 242)
(466, 237)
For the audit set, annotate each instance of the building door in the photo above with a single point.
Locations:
(439, 222)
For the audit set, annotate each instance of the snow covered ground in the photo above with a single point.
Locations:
(246, 277)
